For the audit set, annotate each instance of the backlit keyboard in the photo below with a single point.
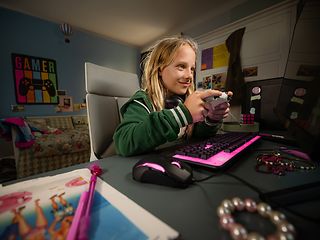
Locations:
(217, 151)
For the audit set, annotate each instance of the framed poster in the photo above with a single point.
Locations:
(35, 79)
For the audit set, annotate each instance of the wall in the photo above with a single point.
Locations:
(265, 47)
(304, 58)
(265, 44)
(28, 35)
(237, 10)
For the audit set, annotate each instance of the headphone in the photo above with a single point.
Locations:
(173, 101)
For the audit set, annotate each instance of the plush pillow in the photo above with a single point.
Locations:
(60, 122)
(38, 123)
(79, 120)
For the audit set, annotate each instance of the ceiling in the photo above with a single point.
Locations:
(133, 22)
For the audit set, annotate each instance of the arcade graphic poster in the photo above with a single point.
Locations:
(35, 79)
(44, 208)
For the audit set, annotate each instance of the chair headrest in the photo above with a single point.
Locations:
(109, 82)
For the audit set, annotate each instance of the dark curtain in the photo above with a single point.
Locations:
(235, 79)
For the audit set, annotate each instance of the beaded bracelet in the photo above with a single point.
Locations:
(285, 230)
(277, 164)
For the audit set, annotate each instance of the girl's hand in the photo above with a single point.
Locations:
(219, 112)
(196, 104)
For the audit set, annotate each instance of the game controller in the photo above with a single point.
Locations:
(27, 84)
(216, 100)
(24, 86)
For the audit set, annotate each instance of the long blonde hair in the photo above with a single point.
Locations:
(158, 57)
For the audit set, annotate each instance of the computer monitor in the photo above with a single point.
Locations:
(298, 105)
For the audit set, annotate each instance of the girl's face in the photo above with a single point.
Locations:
(178, 76)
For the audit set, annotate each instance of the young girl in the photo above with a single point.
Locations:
(167, 108)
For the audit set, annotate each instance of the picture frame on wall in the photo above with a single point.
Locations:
(35, 79)
(65, 104)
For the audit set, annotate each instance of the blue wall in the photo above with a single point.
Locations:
(32, 36)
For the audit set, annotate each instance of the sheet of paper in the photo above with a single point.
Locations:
(44, 208)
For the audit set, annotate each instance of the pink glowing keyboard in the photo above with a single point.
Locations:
(216, 152)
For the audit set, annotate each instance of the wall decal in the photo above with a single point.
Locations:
(35, 79)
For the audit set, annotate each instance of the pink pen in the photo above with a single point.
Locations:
(72, 234)
(82, 215)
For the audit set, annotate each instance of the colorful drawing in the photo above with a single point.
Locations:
(76, 182)
(13, 200)
(219, 81)
(45, 208)
(207, 82)
(35, 79)
(250, 71)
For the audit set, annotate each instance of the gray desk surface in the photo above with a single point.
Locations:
(192, 211)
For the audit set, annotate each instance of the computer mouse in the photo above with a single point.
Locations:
(163, 171)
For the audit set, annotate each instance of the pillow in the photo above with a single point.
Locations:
(60, 122)
(38, 123)
(79, 121)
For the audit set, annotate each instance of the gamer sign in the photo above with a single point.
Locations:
(35, 79)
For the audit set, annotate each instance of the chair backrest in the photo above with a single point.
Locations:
(106, 91)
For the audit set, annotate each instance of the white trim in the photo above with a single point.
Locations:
(176, 117)
(142, 105)
(182, 115)
(93, 156)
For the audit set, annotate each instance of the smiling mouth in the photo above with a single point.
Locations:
(186, 82)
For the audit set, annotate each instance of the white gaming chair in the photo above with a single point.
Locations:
(106, 91)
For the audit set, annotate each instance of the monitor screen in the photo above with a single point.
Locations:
(298, 106)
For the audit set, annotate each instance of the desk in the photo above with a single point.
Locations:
(192, 211)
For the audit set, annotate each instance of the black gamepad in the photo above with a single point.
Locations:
(49, 87)
(216, 100)
(27, 84)
(24, 86)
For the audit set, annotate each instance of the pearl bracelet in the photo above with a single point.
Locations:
(285, 230)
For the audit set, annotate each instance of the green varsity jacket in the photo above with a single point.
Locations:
(143, 129)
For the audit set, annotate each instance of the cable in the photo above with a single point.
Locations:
(206, 178)
(254, 188)
(260, 193)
